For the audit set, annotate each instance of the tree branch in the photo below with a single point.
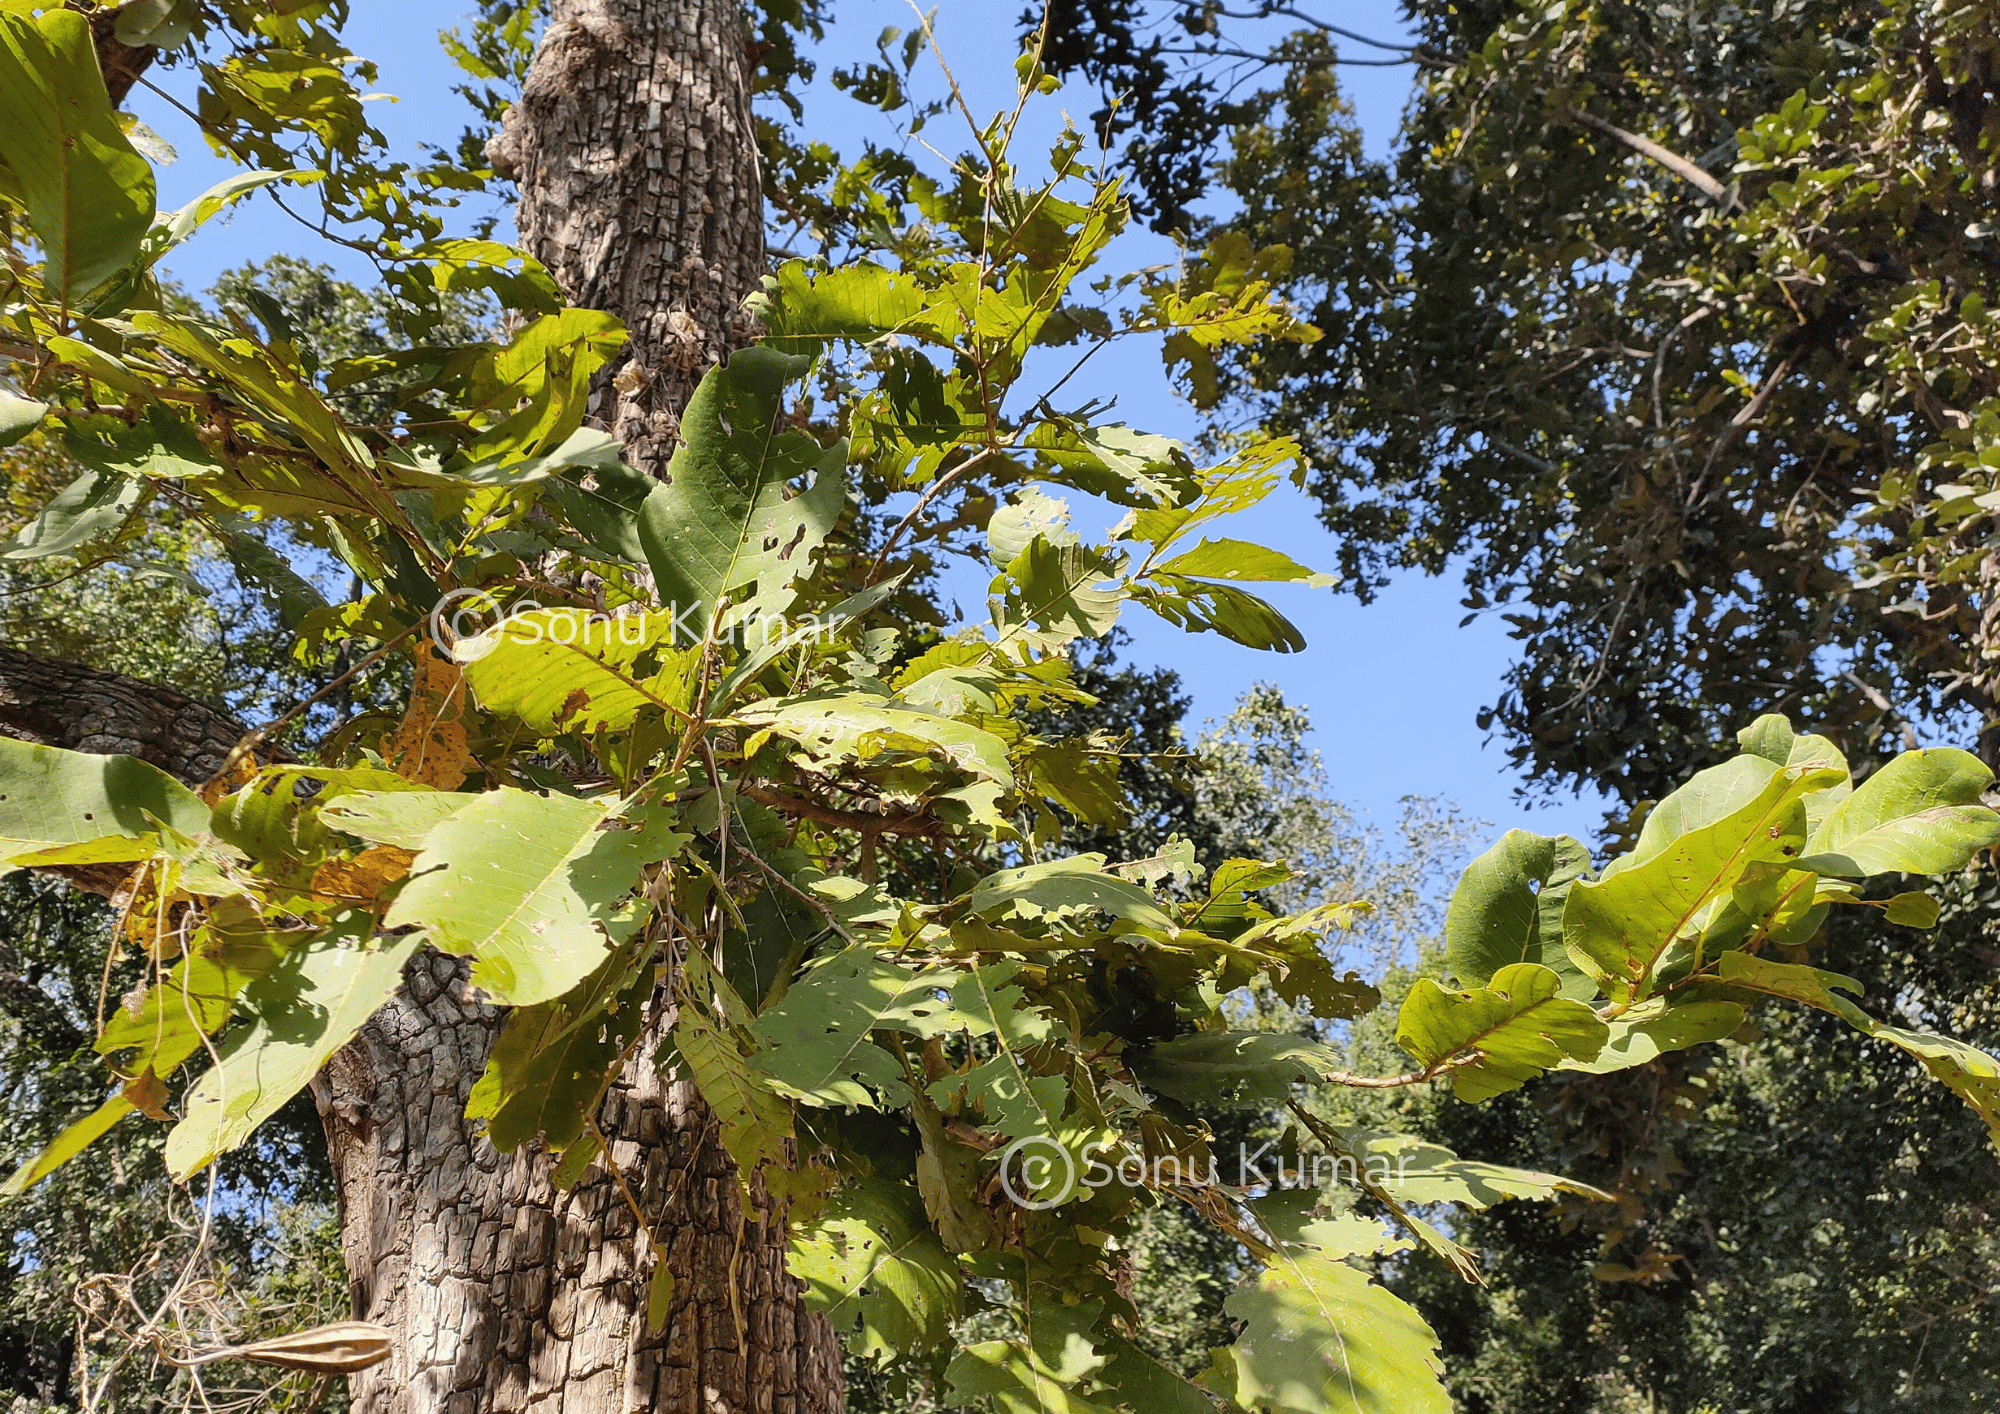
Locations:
(1687, 171)
(54, 703)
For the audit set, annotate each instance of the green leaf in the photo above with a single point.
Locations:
(1913, 909)
(68, 1144)
(1045, 1373)
(88, 191)
(50, 797)
(1656, 1026)
(309, 1006)
(176, 226)
(1202, 606)
(1059, 588)
(1514, 1027)
(756, 1125)
(1970, 1073)
(872, 1264)
(1065, 888)
(817, 1046)
(1789, 980)
(805, 306)
(731, 511)
(1619, 927)
(19, 417)
(659, 1291)
(161, 446)
(571, 670)
(552, 1061)
(1241, 560)
(1319, 1337)
(89, 508)
(290, 595)
(404, 818)
(1137, 1381)
(1507, 908)
(525, 885)
(1917, 815)
(1412, 1170)
(1234, 1068)
(855, 727)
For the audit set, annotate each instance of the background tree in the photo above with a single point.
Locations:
(1654, 323)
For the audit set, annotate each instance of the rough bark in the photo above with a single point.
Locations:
(636, 160)
(507, 1295)
(53, 703)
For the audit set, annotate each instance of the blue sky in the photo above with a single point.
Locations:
(1394, 688)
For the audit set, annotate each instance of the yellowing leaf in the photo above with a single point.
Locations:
(525, 884)
(430, 744)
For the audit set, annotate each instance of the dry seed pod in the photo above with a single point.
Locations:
(336, 1349)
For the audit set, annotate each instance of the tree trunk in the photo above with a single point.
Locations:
(506, 1295)
(636, 160)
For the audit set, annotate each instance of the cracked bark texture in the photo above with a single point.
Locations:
(634, 152)
(507, 1295)
(55, 703)
(636, 158)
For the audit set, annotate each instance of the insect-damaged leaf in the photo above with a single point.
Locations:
(525, 885)
(735, 508)
(871, 1262)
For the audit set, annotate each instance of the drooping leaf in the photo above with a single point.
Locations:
(1415, 1171)
(1968, 1072)
(309, 1006)
(1500, 1035)
(1504, 906)
(89, 508)
(732, 511)
(872, 1264)
(1919, 814)
(756, 1124)
(525, 885)
(89, 193)
(51, 797)
(552, 1061)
